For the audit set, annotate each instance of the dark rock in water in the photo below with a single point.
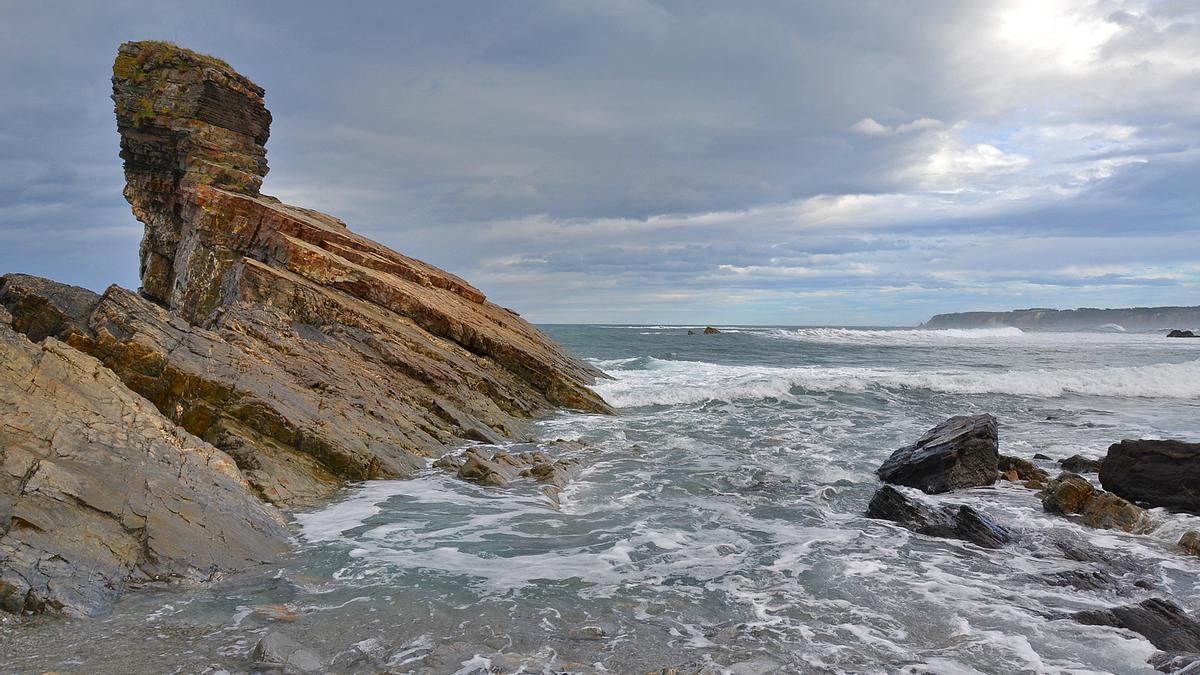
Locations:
(99, 491)
(1176, 663)
(277, 650)
(1072, 494)
(1161, 622)
(1155, 473)
(1038, 455)
(951, 522)
(709, 330)
(1015, 468)
(1182, 334)
(1190, 542)
(691, 332)
(1080, 464)
(958, 453)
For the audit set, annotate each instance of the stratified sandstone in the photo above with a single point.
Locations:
(99, 491)
(308, 353)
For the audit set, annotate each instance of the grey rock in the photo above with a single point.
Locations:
(98, 491)
(1161, 622)
(277, 650)
(1176, 663)
(1190, 542)
(958, 453)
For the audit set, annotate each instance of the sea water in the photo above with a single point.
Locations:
(718, 524)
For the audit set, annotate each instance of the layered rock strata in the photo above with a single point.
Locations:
(308, 353)
(270, 353)
(99, 491)
(1154, 472)
(961, 452)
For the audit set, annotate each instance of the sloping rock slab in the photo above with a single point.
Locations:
(959, 453)
(951, 522)
(98, 490)
(1161, 622)
(500, 468)
(1154, 472)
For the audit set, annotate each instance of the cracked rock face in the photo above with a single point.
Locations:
(99, 491)
(310, 354)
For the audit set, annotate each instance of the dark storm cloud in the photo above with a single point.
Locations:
(624, 160)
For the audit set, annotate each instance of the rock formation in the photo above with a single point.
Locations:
(266, 335)
(1181, 334)
(951, 522)
(99, 491)
(1071, 494)
(1155, 473)
(1161, 622)
(960, 452)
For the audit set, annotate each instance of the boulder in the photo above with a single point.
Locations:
(958, 453)
(1015, 468)
(951, 522)
(1181, 334)
(98, 491)
(1156, 473)
(1080, 464)
(1190, 542)
(1161, 622)
(42, 308)
(1072, 494)
(277, 650)
(1176, 663)
(709, 330)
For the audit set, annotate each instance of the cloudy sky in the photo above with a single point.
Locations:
(669, 162)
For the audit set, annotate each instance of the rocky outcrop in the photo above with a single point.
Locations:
(1130, 319)
(951, 522)
(958, 453)
(1155, 473)
(1182, 334)
(1190, 542)
(309, 354)
(709, 330)
(1161, 622)
(1071, 494)
(98, 491)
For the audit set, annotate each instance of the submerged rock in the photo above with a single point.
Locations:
(1071, 494)
(502, 468)
(952, 522)
(1161, 622)
(1176, 663)
(1080, 464)
(277, 650)
(1155, 472)
(98, 491)
(958, 453)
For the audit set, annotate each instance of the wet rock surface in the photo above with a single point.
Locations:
(958, 453)
(1161, 622)
(278, 651)
(951, 522)
(499, 468)
(1156, 473)
(98, 491)
(1080, 464)
(1018, 469)
(1072, 494)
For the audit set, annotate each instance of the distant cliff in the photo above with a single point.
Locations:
(1131, 319)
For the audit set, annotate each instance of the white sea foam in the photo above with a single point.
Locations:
(665, 382)
(889, 336)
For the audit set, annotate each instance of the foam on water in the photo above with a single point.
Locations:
(654, 381)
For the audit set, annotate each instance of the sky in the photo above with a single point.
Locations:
(691, 162)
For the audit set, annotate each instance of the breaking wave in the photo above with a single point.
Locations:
(888, 336)
(649, 381)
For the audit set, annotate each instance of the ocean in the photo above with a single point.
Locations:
(717, 523)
